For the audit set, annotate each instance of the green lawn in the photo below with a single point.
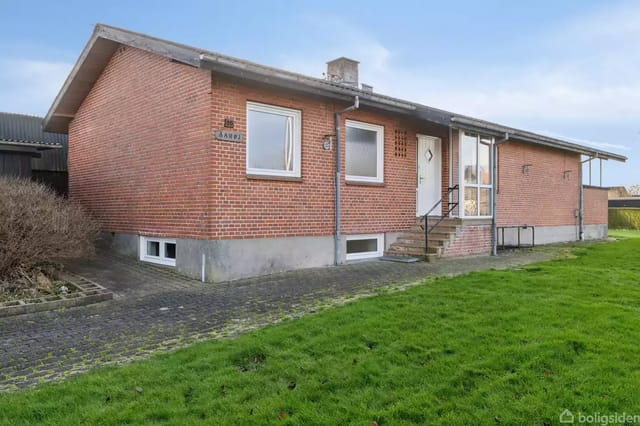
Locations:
(496, 347)
(624, 233)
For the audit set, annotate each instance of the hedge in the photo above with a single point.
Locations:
(624, 218)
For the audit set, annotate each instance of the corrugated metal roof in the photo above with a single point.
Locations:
(20, 130)
(625, 202)
(27, 129)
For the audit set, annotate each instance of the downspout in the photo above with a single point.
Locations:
(581, 199)
(338, 235)
(494, 193)
(451, 168)
(581, 208)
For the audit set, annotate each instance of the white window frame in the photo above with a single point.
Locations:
(161, 260)
(295, 136)
(479, 186)
(366, 254)
(379, 178)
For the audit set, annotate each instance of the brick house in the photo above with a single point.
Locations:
(223, 168)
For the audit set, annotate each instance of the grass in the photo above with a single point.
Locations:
(496, 347)
(624, 233)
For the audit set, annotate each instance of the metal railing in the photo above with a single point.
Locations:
(450, 207)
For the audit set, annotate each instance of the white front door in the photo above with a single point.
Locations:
(429, 189)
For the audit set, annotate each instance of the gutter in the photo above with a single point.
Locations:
(494, 192)
(497, 130)
(338, 234)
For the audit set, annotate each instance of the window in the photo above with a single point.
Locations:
(364, 246)
(158, 250)
(273, 140)
(476, 174)
(364, 152)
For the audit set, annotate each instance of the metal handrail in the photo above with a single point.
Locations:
(451, 207)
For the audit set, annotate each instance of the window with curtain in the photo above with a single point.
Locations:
(273, 140)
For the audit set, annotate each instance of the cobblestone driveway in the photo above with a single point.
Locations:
(156, 309)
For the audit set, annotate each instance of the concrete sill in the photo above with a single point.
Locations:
(271, 177)
(359, 183)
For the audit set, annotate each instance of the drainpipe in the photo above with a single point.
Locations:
(581, 199)
(494, 192)
(338, 238)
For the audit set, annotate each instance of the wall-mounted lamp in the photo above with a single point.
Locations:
(526, 169)
(566, 175)
(327, 142)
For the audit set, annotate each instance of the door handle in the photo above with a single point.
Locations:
(420, 179)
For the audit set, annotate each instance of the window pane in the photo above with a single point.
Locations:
(362, 246)
(170, 250)
(484, 162)
(471, 201)
(470, 158)
(268, 136)
(153, 248)
(485, 202)
(361, 152)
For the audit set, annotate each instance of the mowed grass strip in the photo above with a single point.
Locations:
(496, 347)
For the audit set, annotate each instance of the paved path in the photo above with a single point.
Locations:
(156, 309)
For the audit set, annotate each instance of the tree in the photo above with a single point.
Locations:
(634, 190)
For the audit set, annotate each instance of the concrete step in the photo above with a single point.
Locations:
(415, 250)
(420, 243)
(438, 236)
(450, 220)
(438, 230)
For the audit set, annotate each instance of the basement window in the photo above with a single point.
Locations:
(364, 246)
(364, 152)
(158, 250)
(273, 140)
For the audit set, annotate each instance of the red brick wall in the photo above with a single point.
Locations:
(143, 159)
(546, 196)
(254, 208)
(471, 240)
(139, 147)
(596, 206)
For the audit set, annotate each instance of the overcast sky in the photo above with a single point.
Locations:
(569, 69)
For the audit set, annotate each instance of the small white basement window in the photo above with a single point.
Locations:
(364, 246)
(158, 250)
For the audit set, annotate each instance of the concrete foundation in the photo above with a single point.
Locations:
(232, 259)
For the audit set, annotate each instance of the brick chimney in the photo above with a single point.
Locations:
(343, 71)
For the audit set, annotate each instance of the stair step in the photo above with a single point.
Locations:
(396, 248)
(441, 226)
(399, 258)
(436, 233)
(420, 237)
(419, 243)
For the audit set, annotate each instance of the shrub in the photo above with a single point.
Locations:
(37, 227)
(624, 218)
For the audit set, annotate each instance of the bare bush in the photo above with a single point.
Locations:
(37, 227)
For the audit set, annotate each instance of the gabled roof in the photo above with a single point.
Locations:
(106, 39)
(26, 131)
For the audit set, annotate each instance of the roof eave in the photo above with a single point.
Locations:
(522, 135)
(105, 40)
(35, 145)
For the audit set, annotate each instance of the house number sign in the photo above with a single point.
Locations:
(229, 135)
